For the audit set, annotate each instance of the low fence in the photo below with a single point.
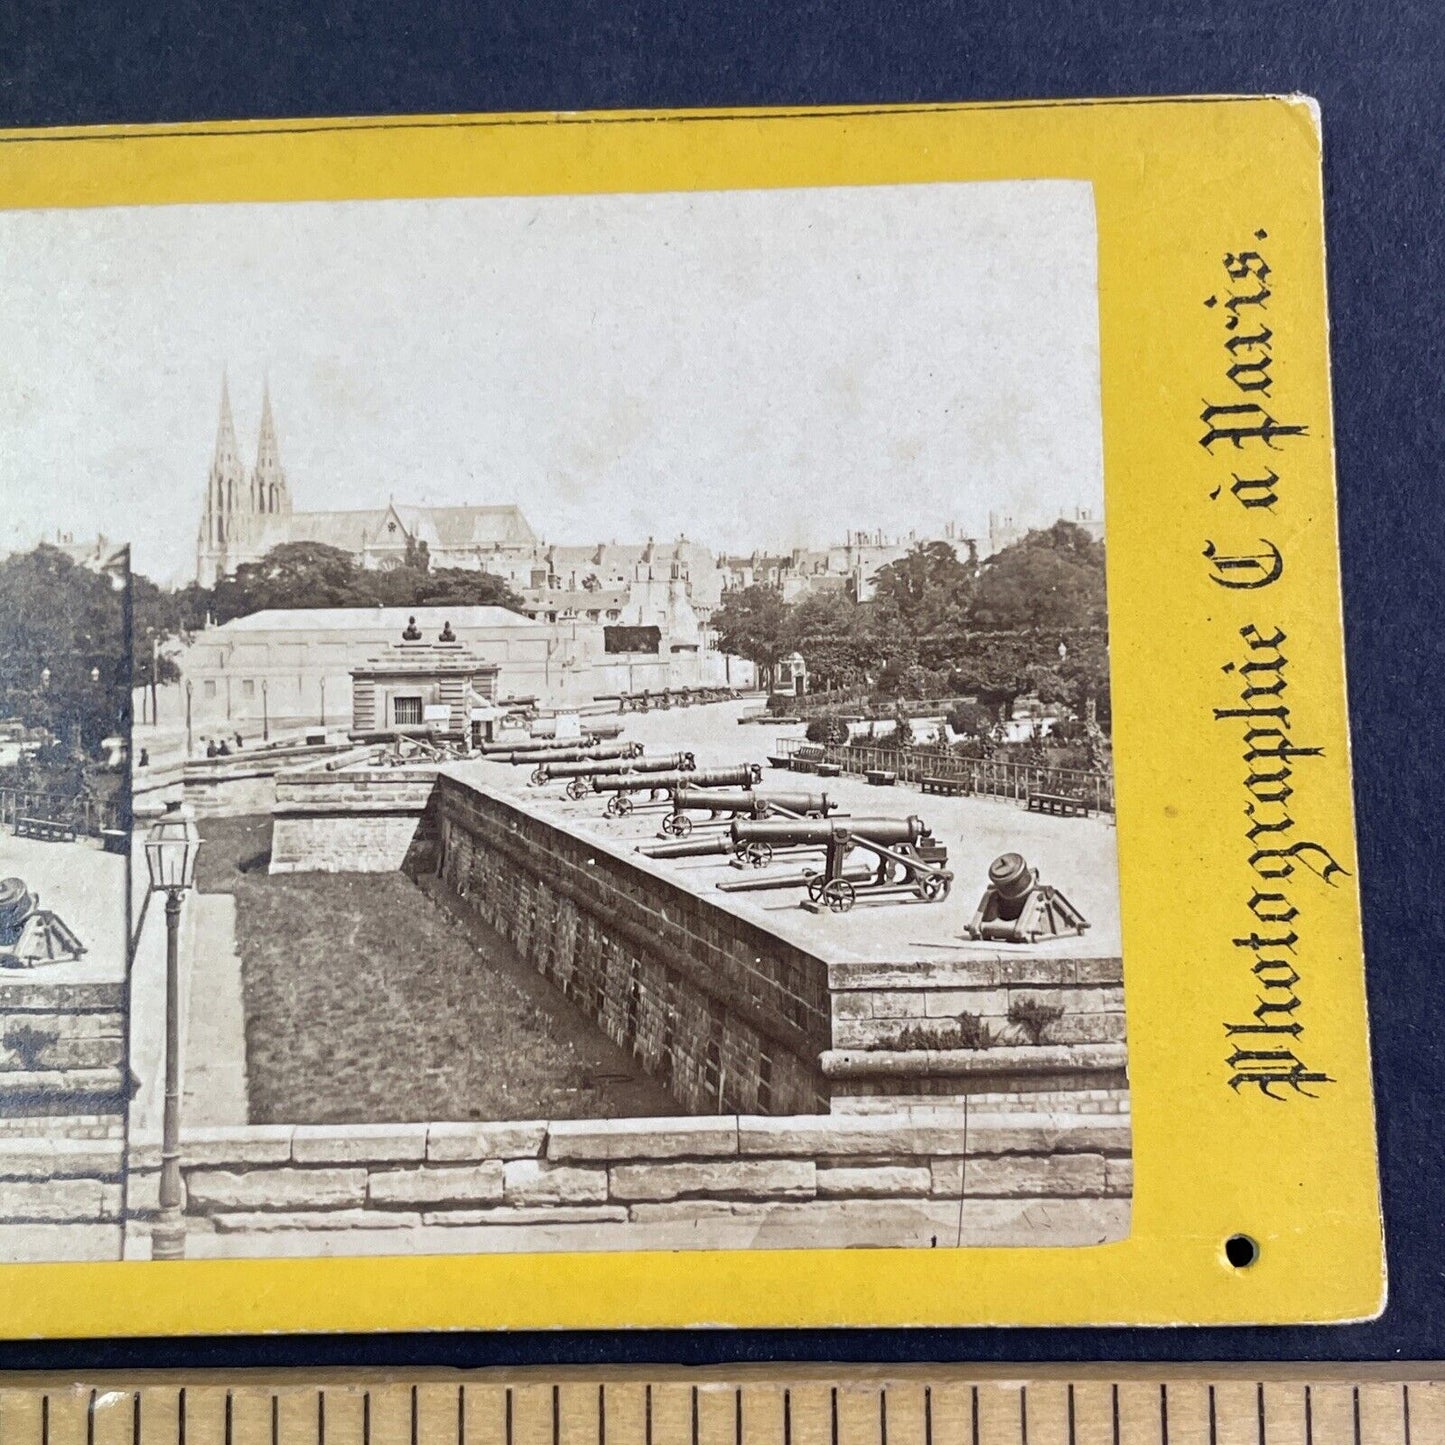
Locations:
(92, 816)
(988, 776)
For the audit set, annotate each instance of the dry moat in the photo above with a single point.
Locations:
(365, 1002)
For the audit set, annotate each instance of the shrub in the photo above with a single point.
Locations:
(971, 719)
(817, 730)
(1032, 1018)
(967, 1031)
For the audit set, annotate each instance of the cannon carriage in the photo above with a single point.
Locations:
(29, 934)
(723, 805)
(910, 862)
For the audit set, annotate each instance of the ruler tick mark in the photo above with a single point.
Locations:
(135, 1417)
(1114, 1391)
(90, 1420)
(1163, 1414)
(366, 1417)
(509, 1419)
(275, 1420)
(646, 1417)
(694, 1415)
(974, 1414)
(1356, 1393)
(787, 1417)
(833, 1412)
(601, 1415)
(1023, 1415)
(1405, 1411)
(927, 1415)
(45, 1418)
(1309, 1417)
(737, 1416)
(181, 1417)
(556, 1416)
(230, 1425)
(414, 1412)
(1259, 1407)
(1213, 1423)
(1072, 1438)
(321, 1417)
(462, 1414)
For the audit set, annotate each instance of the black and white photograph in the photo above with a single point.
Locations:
(604, 739)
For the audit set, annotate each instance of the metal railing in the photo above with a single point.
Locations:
(92, 816)
(991, 777)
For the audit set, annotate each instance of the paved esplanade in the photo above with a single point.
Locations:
(1076, 855)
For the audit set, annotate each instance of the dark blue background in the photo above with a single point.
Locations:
(1378, 71)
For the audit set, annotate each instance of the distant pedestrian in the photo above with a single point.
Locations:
(211, 748)
(145, 759)
(238, 742)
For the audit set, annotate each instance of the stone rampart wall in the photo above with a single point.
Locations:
(62, 1049)
(357, 820)
(245, 782)
(945, 1177)
(1047, 1024)
(725, 1014)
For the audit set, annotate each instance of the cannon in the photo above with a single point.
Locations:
(720, 801)
(582, 771)
(911, 862)
(744, 775)
(739, 843)
(532, 745)
(576, 753)
(29, 934)
(1017, 908)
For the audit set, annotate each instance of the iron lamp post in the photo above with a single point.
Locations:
(171, 846)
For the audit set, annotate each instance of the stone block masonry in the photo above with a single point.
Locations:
(728, 1016)
(360, 820)
(925, 1179)
(62, 1051)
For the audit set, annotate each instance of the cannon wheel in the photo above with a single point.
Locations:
(677, 825)
(634, 750)
(576, 790)
(619, 806)
(838, 894)
(759, 855)
(539, 777)
(815, 887)
(688, 763)
(934, 888)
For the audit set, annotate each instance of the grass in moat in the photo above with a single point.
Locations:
(366, 1003)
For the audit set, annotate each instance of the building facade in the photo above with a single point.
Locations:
(247, 514)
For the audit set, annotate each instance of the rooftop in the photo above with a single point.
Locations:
(429, 620)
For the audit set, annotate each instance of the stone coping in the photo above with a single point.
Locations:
(941, 1131)
(1002, 1059)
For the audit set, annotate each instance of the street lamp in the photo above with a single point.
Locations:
(265, 714)
(171, 846)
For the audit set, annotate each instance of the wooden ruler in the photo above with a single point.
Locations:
(783, 1405)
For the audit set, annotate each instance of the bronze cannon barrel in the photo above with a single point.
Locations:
(591, 767)
(533, 744)
(714, 843)
(750, 800)
(819, 832)
(742, 776)
(578, 752)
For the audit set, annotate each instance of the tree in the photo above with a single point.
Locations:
(930, 589)
(1050, 579)
(63, 660)
(750, 624)
(295, 574)
(830, 630)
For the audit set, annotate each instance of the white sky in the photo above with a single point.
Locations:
(752, 368)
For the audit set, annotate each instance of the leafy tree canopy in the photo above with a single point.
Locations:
(63, 663)
(1052, 578)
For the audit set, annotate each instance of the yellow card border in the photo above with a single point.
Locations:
(1177, 185)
